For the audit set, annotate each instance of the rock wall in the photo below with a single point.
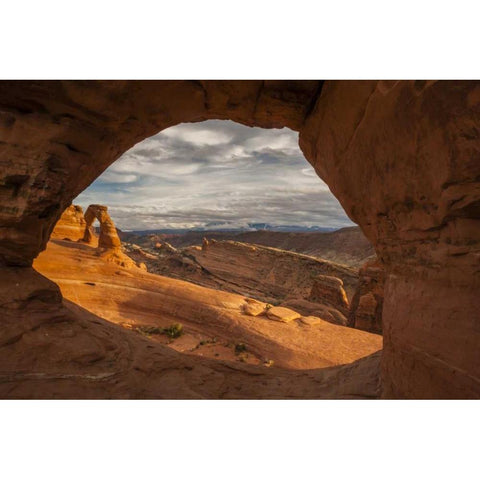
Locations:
(401, 157)
(329, 290)
(367, 303)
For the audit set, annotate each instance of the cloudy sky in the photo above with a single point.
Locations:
(214, 174)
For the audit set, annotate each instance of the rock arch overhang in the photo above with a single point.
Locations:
(402, 157)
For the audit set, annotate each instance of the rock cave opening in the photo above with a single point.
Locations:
(232, 209)
(400, 156)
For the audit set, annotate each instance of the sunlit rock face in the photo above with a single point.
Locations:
(108, 238)
(109, 245)
(71, 224)
(401, 157)
(329, 290)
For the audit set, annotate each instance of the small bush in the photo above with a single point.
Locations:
(243, 357)
(240, 348)
(174, 331)
(149, 330)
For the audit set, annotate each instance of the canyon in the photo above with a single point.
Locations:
(400, 156)
(270, 275)
(347, 246)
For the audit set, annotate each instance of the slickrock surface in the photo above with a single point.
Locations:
(367, 303)
(401, 157)
(326, 312)
(134, 298)
(267, 274)
(50, 349)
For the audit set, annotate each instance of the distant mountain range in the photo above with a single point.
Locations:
(252, 227)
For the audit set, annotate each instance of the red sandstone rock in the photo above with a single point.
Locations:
(329, 290)
(253, 307)
(71, 224)
(138, 298)
(109, 244)
(311, 321)
(205, 244)
(282, 314)
(325, 312)
(268, 274)
(367, 303)
(347, 246)
(108, 238)
(401, 156)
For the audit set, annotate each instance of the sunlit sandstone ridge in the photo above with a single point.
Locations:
(135, 299)
(311, 286)
(268, 274)
(401, 157)
(76, 226)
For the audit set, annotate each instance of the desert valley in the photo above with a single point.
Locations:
(272, 317)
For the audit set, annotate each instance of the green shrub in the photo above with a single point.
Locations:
(149, 329)
(240, 348)
(174, 331)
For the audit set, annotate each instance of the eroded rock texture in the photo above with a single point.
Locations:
(269, 274)
(109, 244)
(367, 303)
(71, 225)
(402, 158)
(329, 290)
(108, 238)
(347, 246)
(311, 286)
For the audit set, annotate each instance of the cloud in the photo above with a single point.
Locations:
(216, 171)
